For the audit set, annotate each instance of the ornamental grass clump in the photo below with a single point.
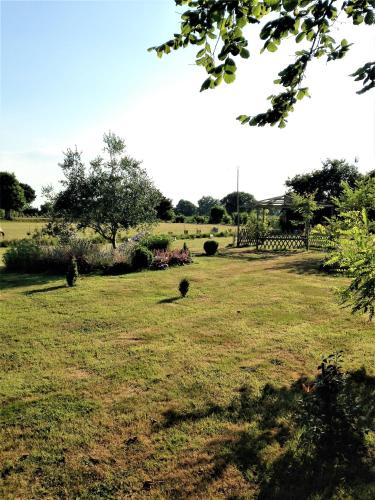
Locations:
(184, 287)
(72, 272)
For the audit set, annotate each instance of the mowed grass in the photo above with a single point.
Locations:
(15, 230)
(119, 389)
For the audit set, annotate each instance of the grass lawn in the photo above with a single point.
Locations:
(117, 388)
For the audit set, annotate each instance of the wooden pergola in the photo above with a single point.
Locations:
(284, 241)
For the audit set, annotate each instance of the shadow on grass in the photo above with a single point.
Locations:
(253, 255)
(14, 280)
(169, 301)
(311, 265)
(43, 290)
(277, 454)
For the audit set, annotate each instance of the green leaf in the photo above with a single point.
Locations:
(229, 77)
(300, 36)
(243, 119)
(200, 53)
(271, 47)
(244, 53)
(369, 17)
(241, 21)
(290, 5)
(310, 35)
(206, 84)
(358, 19)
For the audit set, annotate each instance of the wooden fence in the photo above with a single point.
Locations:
(284, 241)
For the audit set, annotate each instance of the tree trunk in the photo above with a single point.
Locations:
(8, 215)
(113, 242)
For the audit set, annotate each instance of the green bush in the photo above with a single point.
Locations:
(200, 219)
(216, 214)
(184, 287)
(179, 218)
(227, 219)
(142, 258)
(156, 242)
(6, 243)
(23, 256)
(118, 268)
(334, 422)
(31, 256)
(72, 272)
(210, 247)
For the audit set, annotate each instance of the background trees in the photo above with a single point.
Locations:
(247, 202)
(115, 193)
(206, 203)
(326, 182)
(164, 209)
(12, 195)
(186, 207)
(217, 213)
(28, 192)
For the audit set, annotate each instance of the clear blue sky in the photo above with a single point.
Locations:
(73, 70)
(68, 62)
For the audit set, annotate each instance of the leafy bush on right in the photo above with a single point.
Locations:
(354, 255)
(334, 423)
(210, 247)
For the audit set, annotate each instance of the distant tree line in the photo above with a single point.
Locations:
(14, 195)
(326, 185)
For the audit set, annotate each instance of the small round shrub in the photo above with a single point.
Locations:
(72, 272)
(210, 247)
(142, 258)
(184, 287)
(179, 218)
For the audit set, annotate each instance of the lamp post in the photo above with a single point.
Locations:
(238, 206)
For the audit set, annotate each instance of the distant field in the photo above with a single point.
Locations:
(21, 229)
(15, 230)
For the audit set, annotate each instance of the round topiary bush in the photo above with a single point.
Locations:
(142, 258)
(210, 247)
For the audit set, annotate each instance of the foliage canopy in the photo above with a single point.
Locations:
(247, 202)
(12, 196)
(217, 28)
(115, 193)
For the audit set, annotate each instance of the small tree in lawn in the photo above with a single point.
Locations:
(306, 206)
(184, 287)
(115, 193)
(72, 272)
